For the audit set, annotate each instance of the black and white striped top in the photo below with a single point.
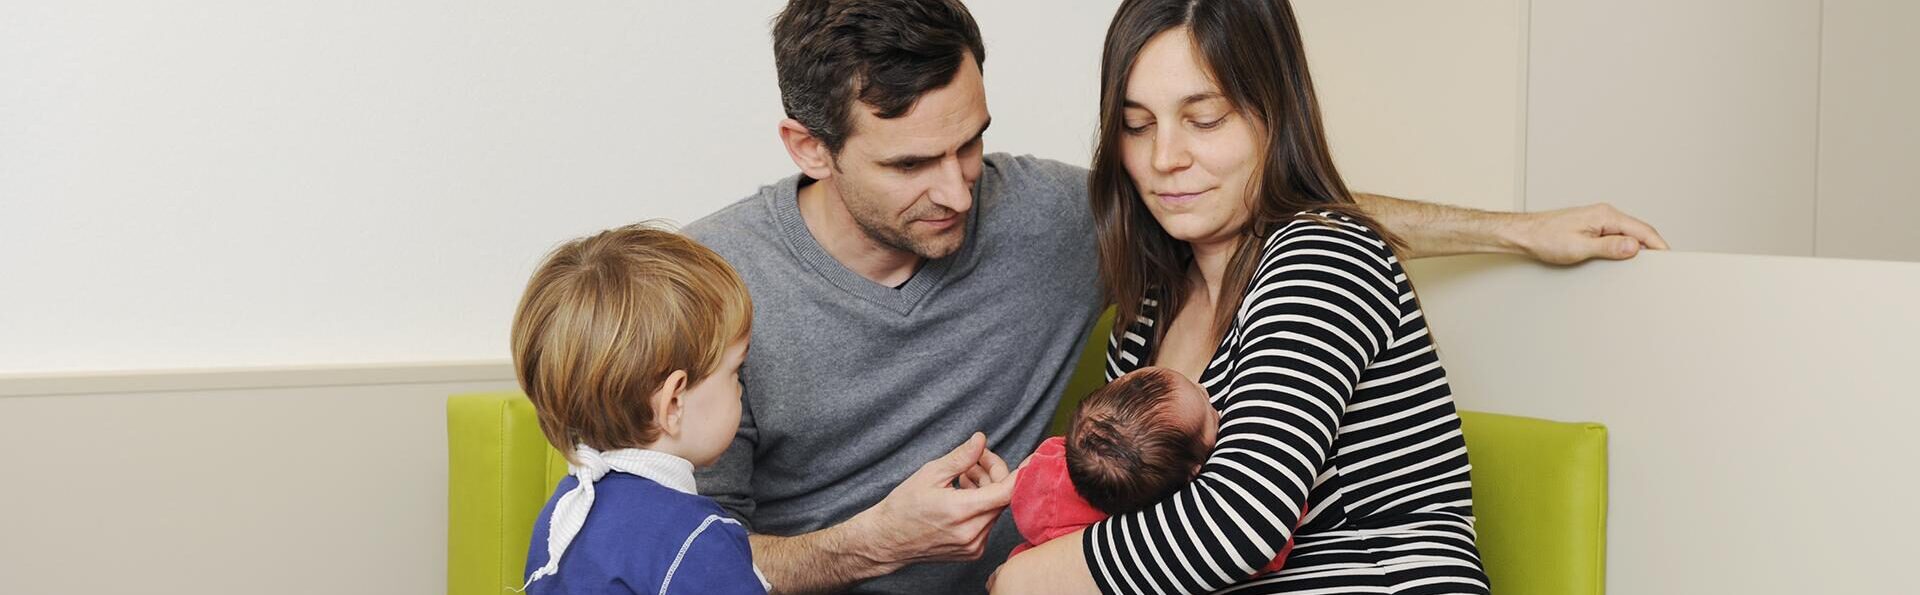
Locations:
(1333, 399)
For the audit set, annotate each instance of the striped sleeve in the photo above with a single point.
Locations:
(1321, 306)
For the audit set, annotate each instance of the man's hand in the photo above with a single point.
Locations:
(1575, 235)
(991, 469)
(926, 518)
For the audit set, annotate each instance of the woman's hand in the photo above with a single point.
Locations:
(1057, 566)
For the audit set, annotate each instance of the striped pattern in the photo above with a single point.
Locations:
(1331, 394)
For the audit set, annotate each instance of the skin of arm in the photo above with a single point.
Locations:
(1057, 566)
(1562, 237)
(819, 562)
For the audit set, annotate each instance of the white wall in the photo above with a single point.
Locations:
(287, 182)
(319, 481)
(1423, 99)
(1760, 408)
(1699, 116)
(283, 182)
(1869, 130)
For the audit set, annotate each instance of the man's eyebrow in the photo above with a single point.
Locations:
(1184, 101)
(904, 160)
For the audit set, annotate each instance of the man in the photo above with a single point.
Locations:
(911, 291)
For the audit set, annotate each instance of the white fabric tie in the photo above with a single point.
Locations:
(570, 512)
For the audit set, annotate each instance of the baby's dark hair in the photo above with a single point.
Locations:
(1126, 448)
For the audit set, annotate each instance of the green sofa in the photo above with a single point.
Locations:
(1540, 491)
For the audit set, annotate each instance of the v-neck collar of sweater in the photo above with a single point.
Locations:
(901, 300)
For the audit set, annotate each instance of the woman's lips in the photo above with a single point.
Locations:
(1180, 198)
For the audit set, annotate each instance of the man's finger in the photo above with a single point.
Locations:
(989, 497)
(1608, 247)
(1623, 248)
(1645, 234)
(1636, 229)
(949, 466)
(995, 466)
(976, 476)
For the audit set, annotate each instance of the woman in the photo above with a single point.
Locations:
(1230, 240)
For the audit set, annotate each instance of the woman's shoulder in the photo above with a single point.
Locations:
(1341, 240)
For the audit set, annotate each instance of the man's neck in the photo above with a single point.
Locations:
(843, 239)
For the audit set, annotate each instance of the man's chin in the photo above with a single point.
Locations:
(942, 245)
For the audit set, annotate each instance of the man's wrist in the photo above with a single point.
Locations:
(1511, 233)
(860, 541)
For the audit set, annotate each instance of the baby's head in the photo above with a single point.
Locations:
(633, 338)
(1139, 439)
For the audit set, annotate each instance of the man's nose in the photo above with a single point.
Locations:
(953, 190)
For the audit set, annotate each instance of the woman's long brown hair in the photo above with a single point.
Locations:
(1253, 51)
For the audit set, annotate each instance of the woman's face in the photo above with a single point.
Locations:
(1191, 155)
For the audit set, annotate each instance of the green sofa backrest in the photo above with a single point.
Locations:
(1539, 487)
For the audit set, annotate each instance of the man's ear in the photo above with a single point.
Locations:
(667, 407)
(809, 153)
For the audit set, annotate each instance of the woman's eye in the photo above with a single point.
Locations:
(1135, 130)
(1209, 125)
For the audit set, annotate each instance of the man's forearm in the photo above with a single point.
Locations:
(1439, 230)
(824, 561)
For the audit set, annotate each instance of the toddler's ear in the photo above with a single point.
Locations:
(667, 407)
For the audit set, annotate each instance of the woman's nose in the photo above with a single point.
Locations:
(1170, 150)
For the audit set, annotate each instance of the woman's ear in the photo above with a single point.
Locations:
(667, 407)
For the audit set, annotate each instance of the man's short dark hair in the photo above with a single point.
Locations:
(1125, 447)
(886, 53)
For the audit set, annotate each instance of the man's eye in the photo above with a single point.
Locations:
(909, 165)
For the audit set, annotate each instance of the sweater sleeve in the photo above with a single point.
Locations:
(1321, 306)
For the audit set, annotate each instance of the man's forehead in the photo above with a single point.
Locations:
(939, 121)
(892, 139)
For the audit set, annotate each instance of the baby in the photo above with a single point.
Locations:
(1132, 443)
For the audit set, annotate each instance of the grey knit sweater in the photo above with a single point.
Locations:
(851, 386)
